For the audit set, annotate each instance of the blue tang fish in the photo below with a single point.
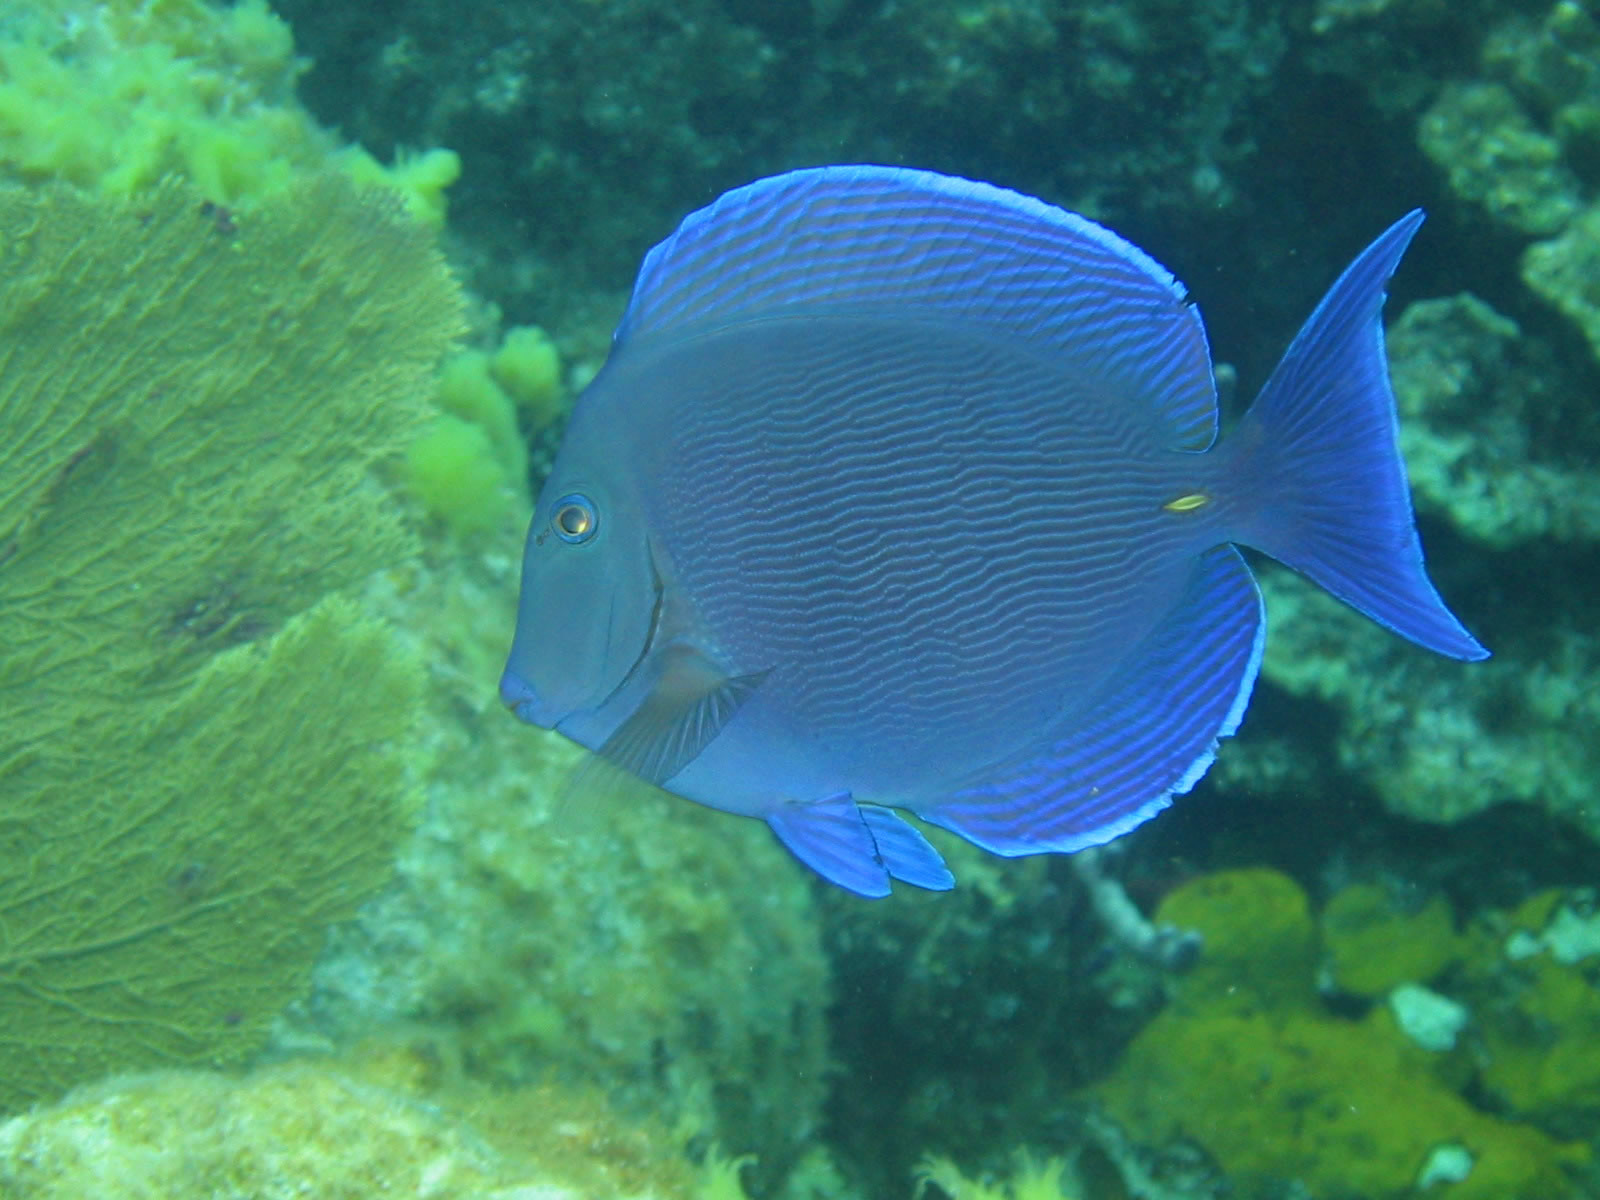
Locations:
(901, 491)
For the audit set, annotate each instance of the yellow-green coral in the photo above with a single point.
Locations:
(528, 366)
(193, 783)
(1048, 1178)
(696, 986)
(168, 873)
(113, 95)
(470, 468)
(226, 395)
(1372, 946)
(1259, 935)
(721, 1177)
(420, 178)
(1541, 1049)
(1539, 1013)
(1276, 1088)
(469, 390)
(454, 471)
(347, 1129)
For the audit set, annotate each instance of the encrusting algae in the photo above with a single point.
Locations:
(1249, 1063)
(378, 1122)
(1533, 993)
(115, 96)
(1372, 948)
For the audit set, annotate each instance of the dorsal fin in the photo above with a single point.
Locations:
(915, 245)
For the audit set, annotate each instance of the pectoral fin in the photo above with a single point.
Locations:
(688, 706)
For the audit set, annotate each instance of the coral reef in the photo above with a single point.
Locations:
(194, 780)
(1496, 157)
(179, 552)
(1033, 1179)
(1562, 271)
(365, 1126)
(1484, 429)
(1373, 946)
(1498, 437)
(1247, 1062)
(470, 467)
(1531, 990)
(114, 96)
(615, 118)
(581, 928)
(1500, 433)
(1434, 746)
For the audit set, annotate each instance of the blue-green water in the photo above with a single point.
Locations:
(259, 801)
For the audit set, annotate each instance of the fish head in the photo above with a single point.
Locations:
(588, 604)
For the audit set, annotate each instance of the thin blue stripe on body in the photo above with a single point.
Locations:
(931, 544)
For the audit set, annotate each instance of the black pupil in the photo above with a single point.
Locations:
(572, 520)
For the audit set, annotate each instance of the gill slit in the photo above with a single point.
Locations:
(655, 629)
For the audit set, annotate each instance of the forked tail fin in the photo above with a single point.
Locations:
(1322, 449)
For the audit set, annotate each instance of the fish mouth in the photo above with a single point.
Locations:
(520, 698)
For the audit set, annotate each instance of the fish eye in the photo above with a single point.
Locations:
(574, 519)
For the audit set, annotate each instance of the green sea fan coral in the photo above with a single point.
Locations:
(164, 892)
(194, 779)
(190, 415)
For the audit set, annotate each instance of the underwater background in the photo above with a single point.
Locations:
(293, 303)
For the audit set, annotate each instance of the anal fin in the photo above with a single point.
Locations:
(1149, 733)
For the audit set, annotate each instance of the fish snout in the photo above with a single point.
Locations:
(518, 695)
